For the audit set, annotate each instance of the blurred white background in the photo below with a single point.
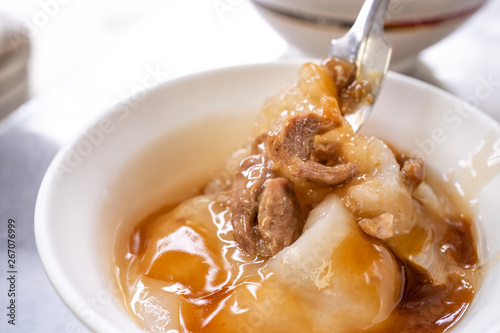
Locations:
(117, 39)
(103, 48)
(89, 54)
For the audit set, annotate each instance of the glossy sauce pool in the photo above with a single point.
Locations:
(205, 278)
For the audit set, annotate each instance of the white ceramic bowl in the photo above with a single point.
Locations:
(126, 162)
(411, 25)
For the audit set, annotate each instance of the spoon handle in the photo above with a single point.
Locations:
(365, 46)
(369, 23)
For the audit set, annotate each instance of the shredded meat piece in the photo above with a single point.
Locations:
(291, 147)
(278, 219)
(327, 175)
(259, 144)
(351, 91)
(412, 169)
(329, 153)
(294, 139)
(353, 95)
(381, 227)
(341, 72)
(265, 213)
(251, 175)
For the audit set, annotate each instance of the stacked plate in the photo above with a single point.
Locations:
(14, 54)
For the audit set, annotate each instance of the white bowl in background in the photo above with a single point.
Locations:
(126, 163)
(410, 27)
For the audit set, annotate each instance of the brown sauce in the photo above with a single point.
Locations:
(427, 307)
(180, 267)
(206, 283)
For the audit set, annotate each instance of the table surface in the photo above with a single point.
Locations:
(88, 55)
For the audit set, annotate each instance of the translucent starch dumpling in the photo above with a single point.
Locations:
(310, 228)
(333, 275)
(340, 278)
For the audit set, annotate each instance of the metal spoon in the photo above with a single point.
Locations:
(365, 46)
